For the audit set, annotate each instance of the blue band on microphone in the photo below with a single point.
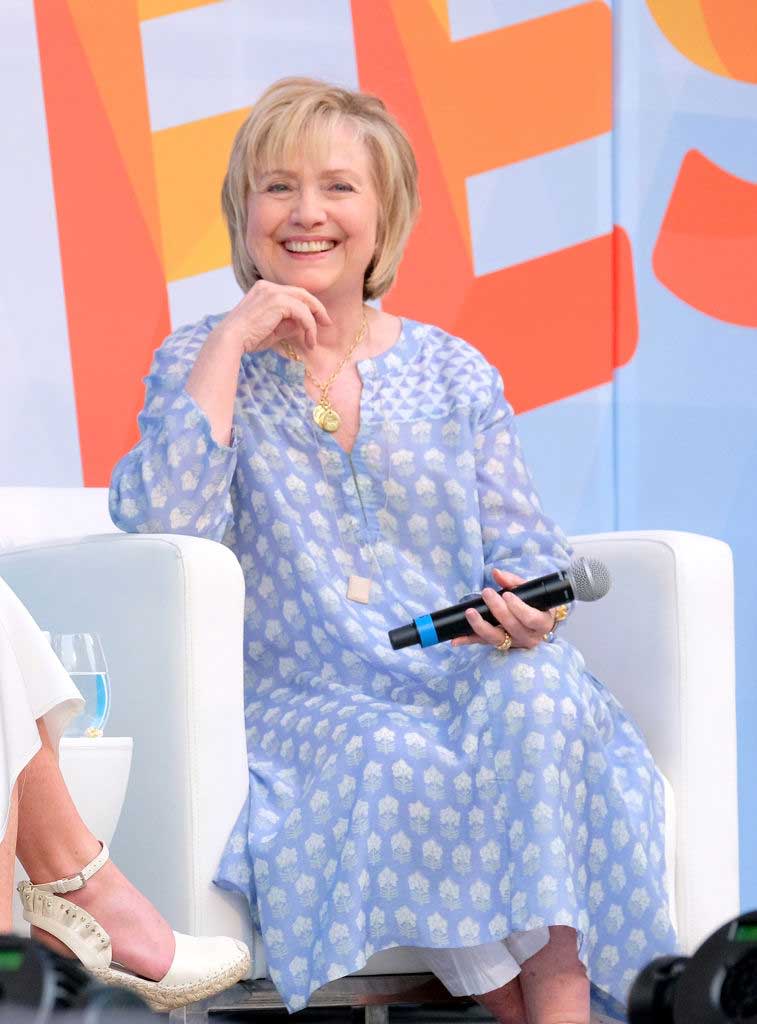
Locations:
(426, 630)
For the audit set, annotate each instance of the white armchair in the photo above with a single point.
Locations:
(169, 609)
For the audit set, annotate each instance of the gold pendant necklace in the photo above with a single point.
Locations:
(324, 414)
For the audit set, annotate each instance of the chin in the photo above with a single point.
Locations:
(315, 283)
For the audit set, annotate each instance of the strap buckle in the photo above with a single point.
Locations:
(66, 885)
(78, 881)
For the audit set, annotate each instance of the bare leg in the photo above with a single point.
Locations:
(53, 842)
(7, 865)
(505, 1003)
(554, 983)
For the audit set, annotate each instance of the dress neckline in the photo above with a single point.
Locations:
(388, 361)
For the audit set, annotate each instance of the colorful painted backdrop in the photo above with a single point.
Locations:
(589, 184)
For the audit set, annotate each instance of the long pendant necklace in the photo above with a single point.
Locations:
(359, 587)
(324, 414)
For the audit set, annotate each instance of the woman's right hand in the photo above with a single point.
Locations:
(271, 312)
(268, 313)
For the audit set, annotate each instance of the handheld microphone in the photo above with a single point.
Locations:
(585, 579)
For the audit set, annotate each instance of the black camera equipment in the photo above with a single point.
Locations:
(718, 984)
(37, 986)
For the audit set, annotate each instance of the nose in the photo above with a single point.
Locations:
(308, 210)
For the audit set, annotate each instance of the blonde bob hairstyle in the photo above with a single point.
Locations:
(295, 116)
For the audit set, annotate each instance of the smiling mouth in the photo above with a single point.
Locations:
(321, 246)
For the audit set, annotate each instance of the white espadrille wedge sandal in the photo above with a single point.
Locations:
(200, 967)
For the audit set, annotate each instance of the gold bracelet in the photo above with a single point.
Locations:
(561, 612)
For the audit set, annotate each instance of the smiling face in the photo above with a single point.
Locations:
(313, 222)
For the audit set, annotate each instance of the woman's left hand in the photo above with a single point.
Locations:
(525, 625)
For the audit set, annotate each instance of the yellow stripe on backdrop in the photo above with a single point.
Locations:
(441, 9)
(684, 24)
(147, 9)
(718, 35)
(190, 162)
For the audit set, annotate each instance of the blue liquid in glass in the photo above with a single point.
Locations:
(95, 689)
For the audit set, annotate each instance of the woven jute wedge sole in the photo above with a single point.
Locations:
(172, 997)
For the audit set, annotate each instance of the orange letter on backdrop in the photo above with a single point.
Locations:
(555, 325)
(706, 251)
(101, 156)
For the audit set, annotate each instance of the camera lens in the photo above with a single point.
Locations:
(738, 995)
(650, 1000)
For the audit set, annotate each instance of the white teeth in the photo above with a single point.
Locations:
(308, 246)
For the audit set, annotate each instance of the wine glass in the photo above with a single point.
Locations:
(81, 654)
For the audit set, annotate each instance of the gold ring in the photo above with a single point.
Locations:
(506, 644)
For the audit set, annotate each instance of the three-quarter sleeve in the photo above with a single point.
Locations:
(177, 478)
(517, 536)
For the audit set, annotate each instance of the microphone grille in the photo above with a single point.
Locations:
(589, 578)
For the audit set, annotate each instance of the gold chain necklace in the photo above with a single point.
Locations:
(324, 414)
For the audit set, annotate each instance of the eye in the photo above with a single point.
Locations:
(342, 186)
(277, 186)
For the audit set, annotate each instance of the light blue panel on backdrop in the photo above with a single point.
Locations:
(472, 17)
(194, 297)
(686, 404)
(212, 59)
(534, 207)
(37, 411)
(569, 448)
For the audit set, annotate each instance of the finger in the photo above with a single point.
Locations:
(462, 641)
(531, 619)
(298, 311)
(489, 634)
(290, 330)
(507, 579)
(500, 609)
(499, 606)
(315, 306)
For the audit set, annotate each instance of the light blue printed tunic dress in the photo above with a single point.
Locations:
(438, 797)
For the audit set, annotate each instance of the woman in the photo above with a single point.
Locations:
(116, 933)
(485, 801)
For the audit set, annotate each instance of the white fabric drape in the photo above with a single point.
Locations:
(473, 970)
(33, 684)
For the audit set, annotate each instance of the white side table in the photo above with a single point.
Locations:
(97, 774)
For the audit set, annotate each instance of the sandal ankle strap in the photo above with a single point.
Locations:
(79, 880)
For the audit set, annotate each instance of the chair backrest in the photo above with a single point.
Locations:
(636, 640)
(36, 515)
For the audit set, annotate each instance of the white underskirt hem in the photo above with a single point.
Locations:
(474, 970)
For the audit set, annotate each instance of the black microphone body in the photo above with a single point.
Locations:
(543, 593)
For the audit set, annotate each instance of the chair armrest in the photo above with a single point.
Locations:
(170, 613)
(662, 641)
